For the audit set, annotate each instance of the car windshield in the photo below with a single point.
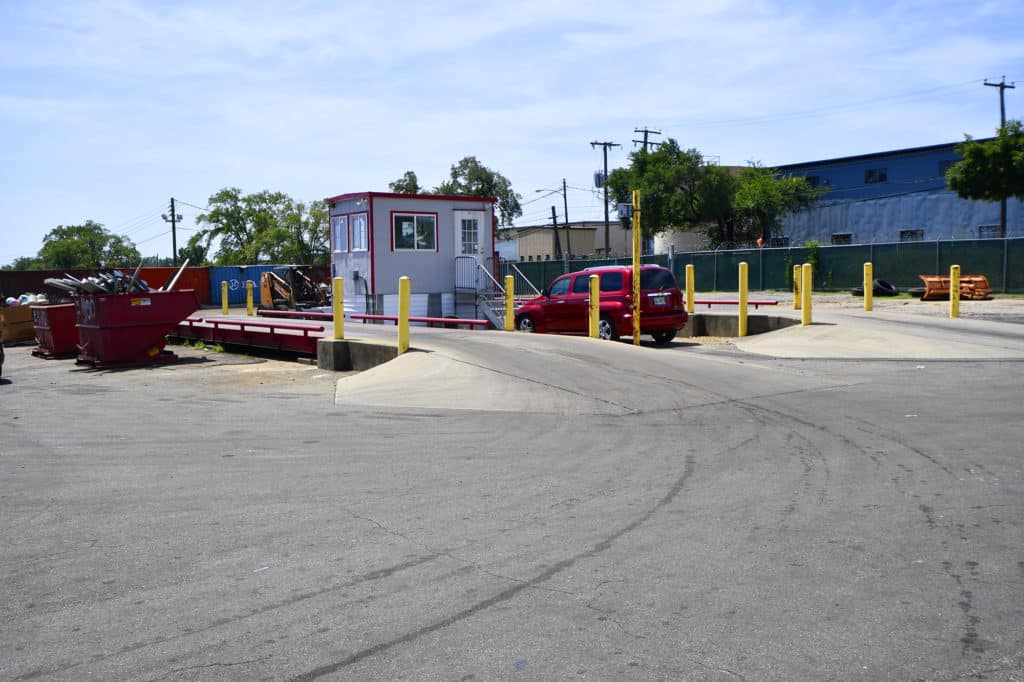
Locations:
(656, 279)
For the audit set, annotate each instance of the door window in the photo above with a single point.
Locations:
(560, 287)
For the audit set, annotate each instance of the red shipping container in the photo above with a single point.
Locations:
(56, 335)
(119, 329)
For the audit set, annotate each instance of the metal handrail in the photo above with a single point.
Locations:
(520, 277)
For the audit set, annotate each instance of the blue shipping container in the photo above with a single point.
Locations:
(236, 277)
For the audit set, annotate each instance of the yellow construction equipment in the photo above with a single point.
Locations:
(289, 287)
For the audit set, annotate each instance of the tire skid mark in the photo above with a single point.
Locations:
(969, 640)
(512, 591)
(294, 599)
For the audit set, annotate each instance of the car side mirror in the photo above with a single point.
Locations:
(545, 292)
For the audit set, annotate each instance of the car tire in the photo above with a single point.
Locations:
(526, 324)
(661, 338)
(884, 288)
(857, 291)
(606, 329)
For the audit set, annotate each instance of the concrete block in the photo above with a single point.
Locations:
(346, 355)
(703, 324)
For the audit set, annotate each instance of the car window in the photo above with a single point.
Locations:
(581, 285)
(611, 281)
(560, 287)
(656, 279)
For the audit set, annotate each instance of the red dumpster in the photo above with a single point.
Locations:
(56, 336)
(121, 329)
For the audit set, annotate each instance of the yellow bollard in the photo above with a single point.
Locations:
(224, 297)
(742, 326)
(805, 294)
(797, 274)
(689, 289)
(248, 297)
(636, 267)
(338, 306)
(594, 314)
(510, 303)
(869, 286)
(403, 314)
(954, 291)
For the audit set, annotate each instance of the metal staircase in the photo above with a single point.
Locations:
(479, 295)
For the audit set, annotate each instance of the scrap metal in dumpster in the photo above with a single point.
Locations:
(130, 328)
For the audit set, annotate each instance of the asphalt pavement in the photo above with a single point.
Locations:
(837, 501)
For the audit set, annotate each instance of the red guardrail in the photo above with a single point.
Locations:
(451, 322)
(723, 301)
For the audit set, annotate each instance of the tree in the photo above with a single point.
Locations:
(470, 178)
(244, 226)
(760, 201)
(407, 184)
(302, 236)
(992, 170)
(87, 246)
(679, 191)
(194, 252)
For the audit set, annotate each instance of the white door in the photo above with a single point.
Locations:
(468, 233)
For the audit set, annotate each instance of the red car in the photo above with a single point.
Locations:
(563, 307)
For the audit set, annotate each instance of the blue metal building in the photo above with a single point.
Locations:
(892, 196)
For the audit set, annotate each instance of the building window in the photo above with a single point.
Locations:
(339, 233)
(778, 242)
(911, 235)
(360, 241)
(989, 232)
(411, 232)
(813, 180)
(470, 235)
(875, 175)
(842, 238)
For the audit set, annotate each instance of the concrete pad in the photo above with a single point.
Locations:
(431, 380)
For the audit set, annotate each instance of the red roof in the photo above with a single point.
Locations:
(394, 195)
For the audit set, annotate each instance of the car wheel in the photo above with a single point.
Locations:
(526, 324)
(606, 330)
(661, 338)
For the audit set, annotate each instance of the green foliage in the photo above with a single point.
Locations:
(470, 178)
(194, 252)
(812, 248)
(679, 191)
(87, 246)
(991, 170)
(407, 184)
(762, 198)
(670, 181)
(265, 226)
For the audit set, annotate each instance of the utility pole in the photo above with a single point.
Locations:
(554, 226)
(604, 182)
(1002, 124)
(646, 132)
(173, 220)
(565, 218)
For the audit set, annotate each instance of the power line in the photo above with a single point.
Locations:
(809, 113)
(193, 205)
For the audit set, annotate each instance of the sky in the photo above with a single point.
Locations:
(110, 108)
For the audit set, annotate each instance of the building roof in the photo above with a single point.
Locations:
(395, 195)
(876, 155)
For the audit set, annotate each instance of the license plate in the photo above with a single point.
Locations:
(659, 300)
